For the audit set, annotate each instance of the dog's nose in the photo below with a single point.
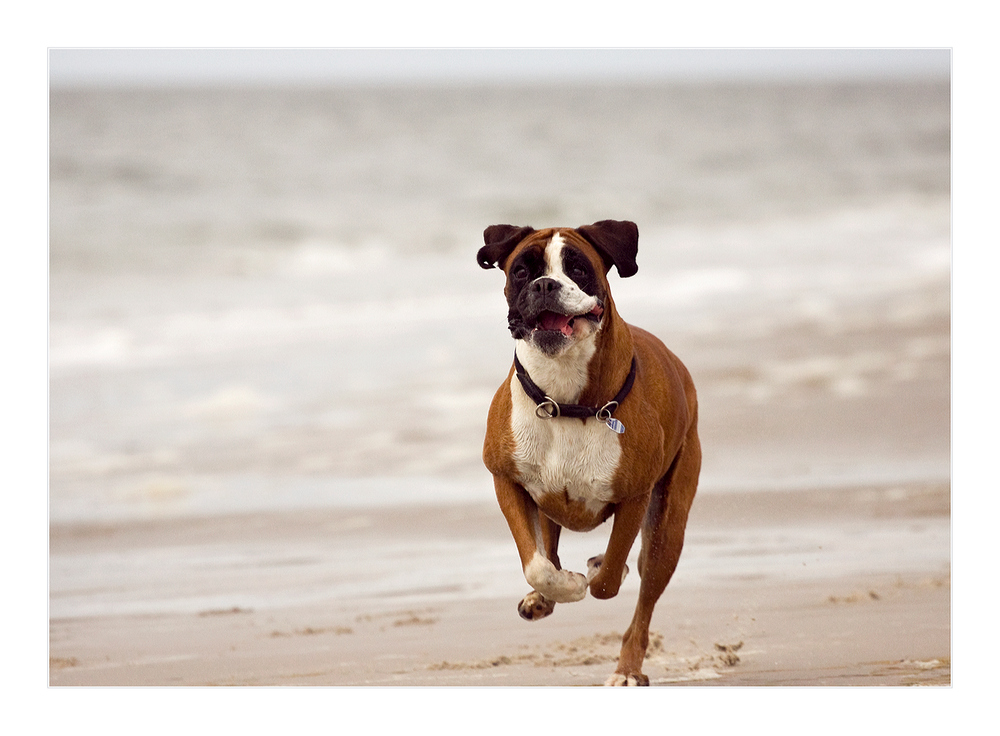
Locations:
(545, 286)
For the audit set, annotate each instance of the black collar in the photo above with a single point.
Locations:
(547, 408)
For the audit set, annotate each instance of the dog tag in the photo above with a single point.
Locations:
(615, 425)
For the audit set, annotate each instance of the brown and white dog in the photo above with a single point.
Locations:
(597, 419)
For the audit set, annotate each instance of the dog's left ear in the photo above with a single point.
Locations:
(500, 243)
(618, 243)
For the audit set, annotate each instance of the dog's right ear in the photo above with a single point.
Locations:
(500, 243)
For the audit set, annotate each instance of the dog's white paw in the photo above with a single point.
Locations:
(560, 586)
(633, 680)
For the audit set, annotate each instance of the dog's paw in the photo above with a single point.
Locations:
(594, 565)
(567, 587)
(535, 606)
(560, 586)
(600, 581)
(629, 680)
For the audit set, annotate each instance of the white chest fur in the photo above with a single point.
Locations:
(563, 455)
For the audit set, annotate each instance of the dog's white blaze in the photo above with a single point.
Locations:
(561, 586)
(556, 455)
(571, 297)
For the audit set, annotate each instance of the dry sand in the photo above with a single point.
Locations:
(842, 625)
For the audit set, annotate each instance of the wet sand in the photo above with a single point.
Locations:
(830, 618)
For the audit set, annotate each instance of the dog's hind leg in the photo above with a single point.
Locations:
(535, 605)
(537, 537)
(662, 541)
(550, 538)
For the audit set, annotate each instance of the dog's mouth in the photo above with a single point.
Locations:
(565, 323)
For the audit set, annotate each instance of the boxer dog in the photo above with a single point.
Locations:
(597, 419)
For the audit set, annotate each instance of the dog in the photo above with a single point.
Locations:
(597, 419)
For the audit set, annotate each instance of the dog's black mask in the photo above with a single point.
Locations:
(538, 306)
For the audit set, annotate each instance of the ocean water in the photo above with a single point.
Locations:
(268, 298)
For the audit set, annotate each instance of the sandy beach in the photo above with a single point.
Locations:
(788, 615)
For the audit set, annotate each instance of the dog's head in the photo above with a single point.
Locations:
(557, 286)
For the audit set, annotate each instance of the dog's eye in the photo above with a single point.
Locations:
(520, 272)
(577, 271)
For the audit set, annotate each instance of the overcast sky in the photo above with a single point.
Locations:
(318, 66)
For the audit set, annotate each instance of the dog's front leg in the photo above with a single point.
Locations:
(525, 522)
(607, 571)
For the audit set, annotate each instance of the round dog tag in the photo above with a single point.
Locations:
(615, 425)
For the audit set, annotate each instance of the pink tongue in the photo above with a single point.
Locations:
(560, 322)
